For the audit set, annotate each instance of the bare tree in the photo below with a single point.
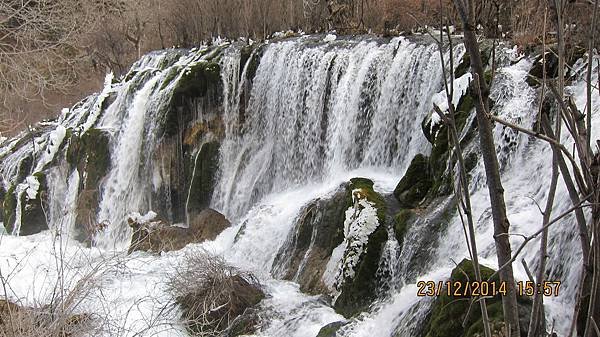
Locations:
(490, 160)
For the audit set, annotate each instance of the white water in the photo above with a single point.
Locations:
(318, 115)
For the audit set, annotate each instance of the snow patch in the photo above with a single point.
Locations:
(329, 38)
(361, 220)
(143, 219)
(55, 139)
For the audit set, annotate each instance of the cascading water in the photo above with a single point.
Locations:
(318, 110)
(299, 118)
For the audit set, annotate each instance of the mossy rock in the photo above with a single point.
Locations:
(401, 223)
(331, 329)
(89, 153)
(9, 203)
(366, 187)
(202, 172)
(318, 231)
(252, 59)
(449, 312)
(415, 184)
(198, 77)
(33, 217)
(357, 294)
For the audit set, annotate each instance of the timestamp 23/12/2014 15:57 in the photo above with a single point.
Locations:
(485, 288)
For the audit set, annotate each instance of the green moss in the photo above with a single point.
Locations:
(366, 185)
(449, 312)
(203, 178)
(415, 184)
(330, 329)
(90, 152)
(401, 222)
(9, 204)
(357, 294)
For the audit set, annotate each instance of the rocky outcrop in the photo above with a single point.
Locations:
(89, 153)
(449, 312)
(28, 211)
(331, 329)
(319, 230)
(415, 184)
(157, 236)
(336, 246)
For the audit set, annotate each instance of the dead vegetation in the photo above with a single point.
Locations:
(215, 297)
(51, 61)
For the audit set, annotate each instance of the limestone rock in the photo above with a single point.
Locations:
(157, 236)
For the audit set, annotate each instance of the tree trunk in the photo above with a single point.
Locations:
(490, 160)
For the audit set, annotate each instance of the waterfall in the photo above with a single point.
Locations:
(320, 109)
(298, 118)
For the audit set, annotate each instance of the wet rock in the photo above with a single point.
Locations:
(90, 154)
(319, 230)
(449, 312)
(244, 324)
(358, 290)
(32, 207)
(401, 222)
(415, 184)
(202, 169)
(157, 236)
(331, 329)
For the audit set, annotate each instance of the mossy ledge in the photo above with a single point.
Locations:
(449, 312)
(358, 293)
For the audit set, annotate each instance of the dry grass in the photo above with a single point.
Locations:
(212, 294)
(60, 317)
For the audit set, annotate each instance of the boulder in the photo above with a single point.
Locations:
(318, 231)
(157, 236)
(336, 223)
(415, 184)
(357, 283)
(449, 312)
(331, 329)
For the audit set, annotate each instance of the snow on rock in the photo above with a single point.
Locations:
(361, 221)
(55, 139)
(142, 219)
(330, 38)
(32, 185)
(461, 85)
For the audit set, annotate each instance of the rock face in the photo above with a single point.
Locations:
(336, 246)
(415, 184)
(319, 230)
(156, 236)
(32, 216)
(449, 312)
(89, 153)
